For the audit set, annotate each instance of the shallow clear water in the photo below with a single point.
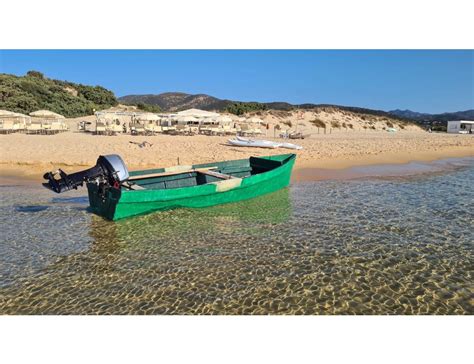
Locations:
(385, 245)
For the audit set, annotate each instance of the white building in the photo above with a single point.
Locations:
(461, 126)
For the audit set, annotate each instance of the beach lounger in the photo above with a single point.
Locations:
(169, 129)
(137, 129)
(35, 127)
(152, 129)
(248, 130)
(228, 130)
(56, 127)
(6, 126)
(113, 128)
(18, 126)
(100, 128)
(216, 130)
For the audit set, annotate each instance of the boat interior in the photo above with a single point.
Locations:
(188, 176)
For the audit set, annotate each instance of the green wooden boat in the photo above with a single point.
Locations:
(115, 193)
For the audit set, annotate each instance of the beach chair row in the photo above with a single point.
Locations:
(103, 128)
(34, 127)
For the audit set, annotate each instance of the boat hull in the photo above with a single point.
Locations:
(115, 204)
(245, 142)
(254, 143)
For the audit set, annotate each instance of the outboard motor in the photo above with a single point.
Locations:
(110, 171)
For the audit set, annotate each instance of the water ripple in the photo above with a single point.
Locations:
(398, 245)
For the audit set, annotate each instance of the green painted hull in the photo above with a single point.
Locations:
(252, 177)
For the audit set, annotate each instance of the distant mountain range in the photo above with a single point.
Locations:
(426, 118)
(176, 101)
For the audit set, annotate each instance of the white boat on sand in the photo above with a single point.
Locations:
(256, 143)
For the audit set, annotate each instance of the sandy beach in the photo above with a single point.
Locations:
(31, 155)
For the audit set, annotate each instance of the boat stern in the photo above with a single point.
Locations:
(103, 202)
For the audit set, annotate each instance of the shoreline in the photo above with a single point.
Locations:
(327, 169)
(382, 170)
(388, 158)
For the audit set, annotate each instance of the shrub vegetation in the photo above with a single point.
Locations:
(240, 108)
(148, 107)
(34, 91)
(318, 123)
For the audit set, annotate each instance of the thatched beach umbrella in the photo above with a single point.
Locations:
(198, 113)
(7, 113)
(46, 114)
(106, 116)
(148, 117)
(20, 115)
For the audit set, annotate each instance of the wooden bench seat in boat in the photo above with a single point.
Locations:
(217, 174)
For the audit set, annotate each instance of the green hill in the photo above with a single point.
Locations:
(34, 91)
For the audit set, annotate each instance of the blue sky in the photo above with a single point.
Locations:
(424, 81)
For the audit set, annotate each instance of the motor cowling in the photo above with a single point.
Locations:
(110, 170)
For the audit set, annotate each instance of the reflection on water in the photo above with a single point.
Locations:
(397, 245)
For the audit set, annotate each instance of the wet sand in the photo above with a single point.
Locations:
(12, 175)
